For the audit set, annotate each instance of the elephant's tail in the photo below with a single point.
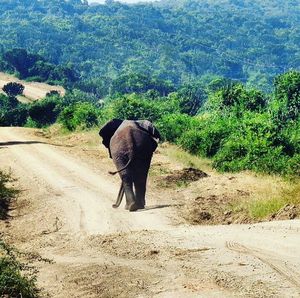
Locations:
(120, 197)
(125, 167)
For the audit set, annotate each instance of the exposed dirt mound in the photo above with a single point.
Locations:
(127, 245)
(182, 177)
(287, 212)
(212, 209)
(107, 281)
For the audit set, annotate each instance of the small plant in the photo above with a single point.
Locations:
(13, 283)
(6, 194)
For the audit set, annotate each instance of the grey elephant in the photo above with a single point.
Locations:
(131, 144)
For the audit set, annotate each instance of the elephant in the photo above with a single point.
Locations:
(131, 144)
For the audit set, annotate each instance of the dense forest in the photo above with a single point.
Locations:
(178, 41)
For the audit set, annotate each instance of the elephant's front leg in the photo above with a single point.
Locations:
(129, 193)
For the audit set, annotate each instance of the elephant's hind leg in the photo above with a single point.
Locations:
(130, 196)
(140, 181)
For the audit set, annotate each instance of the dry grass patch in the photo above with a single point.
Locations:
(178, 155)
(242, 198)
(283, 205)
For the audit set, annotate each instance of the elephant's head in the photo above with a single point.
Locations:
(108, 130)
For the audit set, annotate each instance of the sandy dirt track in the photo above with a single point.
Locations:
(32, 90)
(83, 247)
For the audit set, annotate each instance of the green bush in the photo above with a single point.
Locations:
(12, 112)
(82, 114)
(251, 146)
(286, 102)
(45, 112)
(235, 95)
(172, 126)
(231, 158)
(13, 89)
(13, 283)
(6, 194)
(133, 107)
(293, 165)
(205, 138)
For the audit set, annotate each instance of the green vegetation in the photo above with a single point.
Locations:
(13, 89)
(83, 115)
(35, 68)
(6, 194)
(210, 74)
(13, 283)
(174, 41)
(239, 128)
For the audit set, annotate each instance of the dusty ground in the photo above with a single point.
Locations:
(33, 90)
(84, 248)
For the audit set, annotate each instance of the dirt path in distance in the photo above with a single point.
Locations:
(32, 91)
(82, 247)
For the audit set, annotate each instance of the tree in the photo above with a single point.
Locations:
(235, 95)
(13, 89)
(287, 93)
(191, 96)
(21, 60)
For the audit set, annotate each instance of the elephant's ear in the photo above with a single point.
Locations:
(156, 133)
(108, 130)
(150, 128)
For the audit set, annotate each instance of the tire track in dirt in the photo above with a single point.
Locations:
(279, 266)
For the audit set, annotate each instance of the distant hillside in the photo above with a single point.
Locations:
(250, 41)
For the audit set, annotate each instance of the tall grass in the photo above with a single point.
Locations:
(186, 159)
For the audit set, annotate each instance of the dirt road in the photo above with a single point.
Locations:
(84, 248)
(33, 90)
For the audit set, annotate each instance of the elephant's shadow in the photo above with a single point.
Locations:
(152, 207)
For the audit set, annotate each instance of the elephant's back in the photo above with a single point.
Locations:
(128, 139)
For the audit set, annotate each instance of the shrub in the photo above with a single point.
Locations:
(45, 112)
(13, 89)
(133, 107)
(83, 115)
(205, 138)
(232, 155)
(191, 98)
(172, 126)
(293, 165)
(251, 146)
(287, 96)
(12, 113)
(12, 282)
(6, 194)
(235, 95)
